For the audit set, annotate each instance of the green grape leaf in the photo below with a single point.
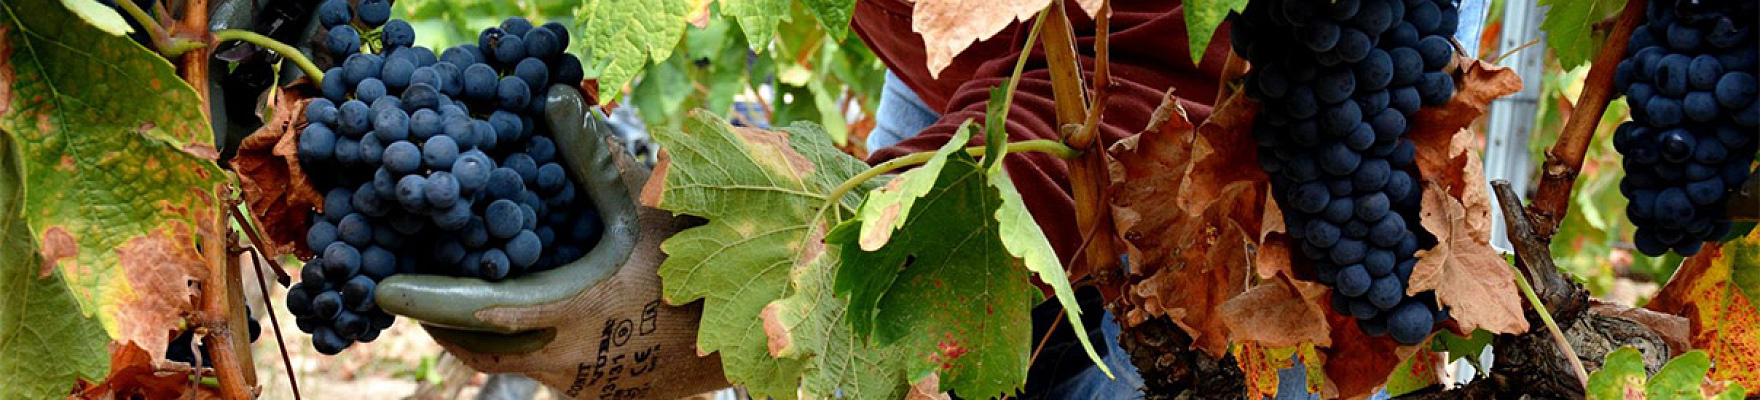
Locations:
(1202, 18)
(833, 14)
(39, 318)
(812, 322)
(1459, 347)
(758, 17)
(1024, 239)
(661, 92)
(944, 287)
(1570, 30)
(934, 263)
(100, 16)
(115, 191)
(764, 195)
(1621, 373)
(626, 35)
(1680, 378)
(996, 124)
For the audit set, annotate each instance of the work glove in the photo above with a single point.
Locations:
(593, 328)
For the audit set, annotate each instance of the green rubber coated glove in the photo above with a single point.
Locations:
(593, 328)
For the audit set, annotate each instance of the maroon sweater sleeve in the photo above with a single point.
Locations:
(1149, 54)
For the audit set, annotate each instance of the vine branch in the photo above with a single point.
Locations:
(220, 311)
(1565, 159)
(1534, 254)
(286, 51)
(1088, 175)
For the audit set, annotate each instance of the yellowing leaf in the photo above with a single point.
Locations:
(115, 193)
(1717, 290)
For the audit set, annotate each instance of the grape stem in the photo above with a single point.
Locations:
(1048, 146)
(1538, 259)
(161, 40)
(286, 51)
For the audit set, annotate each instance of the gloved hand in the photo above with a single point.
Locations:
(594, 328)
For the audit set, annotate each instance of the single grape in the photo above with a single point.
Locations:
(334, 12)
(512, 93)
(373, 13)
(327, 305)
(504, 218)
(357, 293)
(341, 261)
(377, 262)
(1410, 322)
(343, 40)
(402, 157)
(523, 249)
(412, 192)
(439, 152)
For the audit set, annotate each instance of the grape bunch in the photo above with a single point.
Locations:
(431, 165)
(1689, 75)
(1339, 82)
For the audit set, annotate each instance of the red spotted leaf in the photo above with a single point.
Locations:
(1717, 291)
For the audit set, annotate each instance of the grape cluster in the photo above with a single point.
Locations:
(431, 165)
(1340, 82)
(1689, 75)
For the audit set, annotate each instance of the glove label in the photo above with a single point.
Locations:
(617, 359)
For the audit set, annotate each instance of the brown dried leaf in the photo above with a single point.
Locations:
(273, 184)
(1448, 151)
(928, 389)
(1674, 329)
(1469, 277)
(160, 268)
(1209, 269)
(1147, 171)
(133, 376)
(1188, 202)
(948, 27)
(1224, 153)
(1358, 364)
(1279, 312)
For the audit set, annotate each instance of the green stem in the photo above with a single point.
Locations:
(286, 51)
(160, 38)
(176, 47)
(1052, 147)
(1020, 64)
(1558, 335)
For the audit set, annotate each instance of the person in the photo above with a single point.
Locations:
(588, 328)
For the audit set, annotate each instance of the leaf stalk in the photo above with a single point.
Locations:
(286, 51)
(1047, 146)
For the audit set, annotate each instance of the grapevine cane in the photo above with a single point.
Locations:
(1539, 258)
(1565, 159)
